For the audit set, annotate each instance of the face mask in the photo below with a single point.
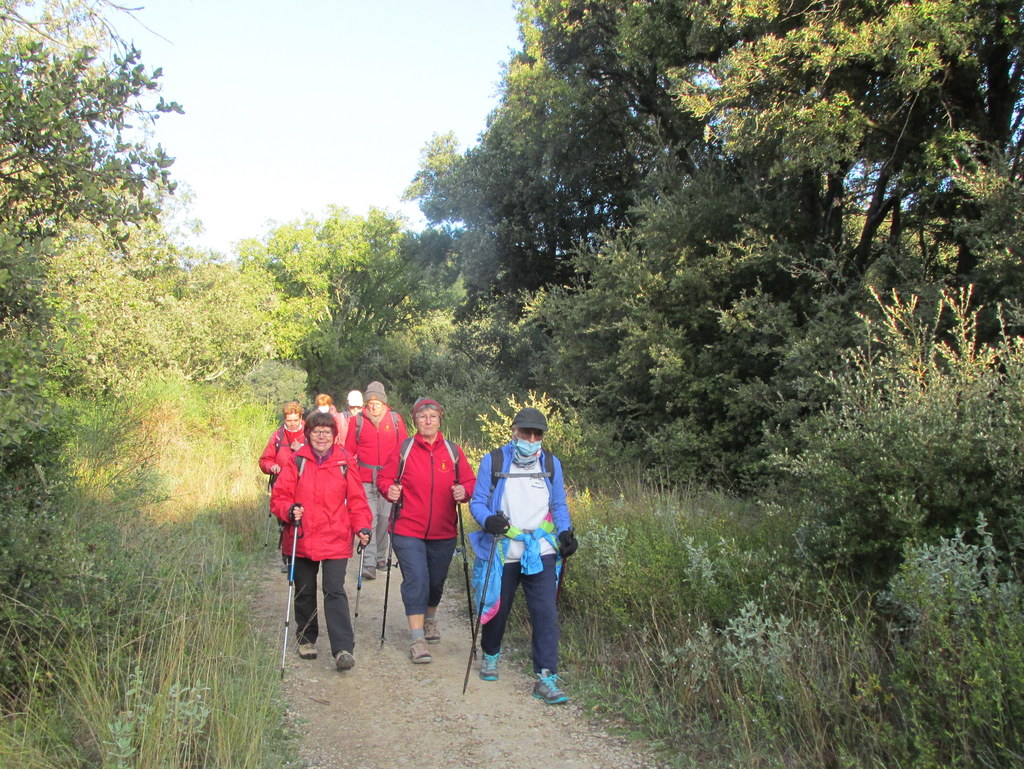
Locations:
(323, 409)
(525, 449)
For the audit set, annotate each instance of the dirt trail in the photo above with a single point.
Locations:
(387, 712)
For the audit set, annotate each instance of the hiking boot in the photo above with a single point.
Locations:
(489, 667)
(344, 660)
(419, 653)
(382, 564)
(369, 572)
(307, 651)
(547, 689)
(430, 631)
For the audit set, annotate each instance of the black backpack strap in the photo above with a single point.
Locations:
(497, 457)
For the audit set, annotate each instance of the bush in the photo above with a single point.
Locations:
(959, 655)
(588, 454)
(925, 432)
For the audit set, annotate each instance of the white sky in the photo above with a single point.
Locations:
(291, 107)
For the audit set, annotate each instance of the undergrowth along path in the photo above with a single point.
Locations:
(387, 712)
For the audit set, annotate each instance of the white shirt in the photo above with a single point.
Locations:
(526, 502)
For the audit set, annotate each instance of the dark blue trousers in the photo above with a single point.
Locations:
(424, 564)
(539, 590)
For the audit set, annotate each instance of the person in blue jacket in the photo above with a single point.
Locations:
(520, 500)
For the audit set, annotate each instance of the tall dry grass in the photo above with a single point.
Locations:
(154, 661)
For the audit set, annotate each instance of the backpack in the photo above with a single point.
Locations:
(300, 462)
(498, 457)
(359, 422)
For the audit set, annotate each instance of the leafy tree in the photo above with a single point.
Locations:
(808, 154)
(69, 94)
(143, 305)
(347, 284)
(558, 164)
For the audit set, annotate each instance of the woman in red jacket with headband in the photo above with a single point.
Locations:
(429, 476)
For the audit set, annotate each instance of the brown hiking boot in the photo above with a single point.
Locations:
(430, 631)
(307, 651)
(419, 653)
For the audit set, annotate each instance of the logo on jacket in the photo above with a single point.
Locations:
(444, 466)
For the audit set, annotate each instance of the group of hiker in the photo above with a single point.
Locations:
(355, 483)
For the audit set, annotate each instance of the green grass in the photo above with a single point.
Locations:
(150, 657)
(689, 618)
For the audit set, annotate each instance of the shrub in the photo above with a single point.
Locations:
(925, 431)
(959, 655)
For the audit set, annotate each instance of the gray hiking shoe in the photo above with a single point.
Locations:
(489, 667)
(344, 660)
(419, 653)
(547, 689)
(369, 572)
(430, 631)
(307, 651)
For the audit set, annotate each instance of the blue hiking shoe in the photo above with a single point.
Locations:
(489, 667)
(547, 689)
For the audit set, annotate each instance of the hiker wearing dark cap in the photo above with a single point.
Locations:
(521, 501)
(373, 434)
(427, 476)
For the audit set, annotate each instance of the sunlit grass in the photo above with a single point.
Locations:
(157, 662)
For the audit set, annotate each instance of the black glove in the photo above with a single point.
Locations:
(496, 524)
(291, 513)
(567, 543)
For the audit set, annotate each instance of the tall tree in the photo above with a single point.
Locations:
(348, 284)
(71, 95)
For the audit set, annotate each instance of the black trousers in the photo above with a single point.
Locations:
(339, 621)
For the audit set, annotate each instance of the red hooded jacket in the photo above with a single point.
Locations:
(428, 510)
(333, 502)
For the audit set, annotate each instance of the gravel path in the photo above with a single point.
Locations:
(387, 712)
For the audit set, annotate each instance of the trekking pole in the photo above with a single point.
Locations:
(480, 611)
(561, 574)
(465, 561)
(359, 579)
(291, 590)
(465, 568)
(387, 579)
(270, 514)
(561, 577)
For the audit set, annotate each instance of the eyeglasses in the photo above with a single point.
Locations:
(325, 432)
(428, 416)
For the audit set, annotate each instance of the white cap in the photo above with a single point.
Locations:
(355, 398)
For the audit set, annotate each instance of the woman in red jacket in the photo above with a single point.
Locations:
(283, 441)
(320, 497)
(430, 476)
